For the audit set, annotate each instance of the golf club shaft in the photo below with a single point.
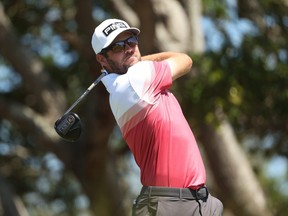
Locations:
(104, 73)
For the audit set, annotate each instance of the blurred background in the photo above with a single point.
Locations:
(235, 99)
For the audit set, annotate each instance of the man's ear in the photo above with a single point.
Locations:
(101, 59)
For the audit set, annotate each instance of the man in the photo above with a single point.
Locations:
(152, 123)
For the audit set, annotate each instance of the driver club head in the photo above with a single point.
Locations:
(69, 127)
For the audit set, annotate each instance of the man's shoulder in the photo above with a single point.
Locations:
(149, 62)
(144, 66)
(140, 68)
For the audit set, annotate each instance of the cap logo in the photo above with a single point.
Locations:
(113, 26)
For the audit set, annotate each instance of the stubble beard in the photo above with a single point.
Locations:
(119, 68)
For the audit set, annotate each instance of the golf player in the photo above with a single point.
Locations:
(152, 123)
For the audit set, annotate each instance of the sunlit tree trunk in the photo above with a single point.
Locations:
(194, 11)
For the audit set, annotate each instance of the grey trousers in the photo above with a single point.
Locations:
(146, 205)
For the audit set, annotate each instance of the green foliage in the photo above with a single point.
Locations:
(248, 82)
(249, 89)
(216, 9)
(278, 202)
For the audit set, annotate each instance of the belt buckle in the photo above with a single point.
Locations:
(200, 197)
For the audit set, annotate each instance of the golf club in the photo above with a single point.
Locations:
(69, 125)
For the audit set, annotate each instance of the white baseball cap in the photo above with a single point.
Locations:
(107, 31)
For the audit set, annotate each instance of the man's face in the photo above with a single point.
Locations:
(119, 61)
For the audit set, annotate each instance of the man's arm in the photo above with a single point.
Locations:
(180, 63)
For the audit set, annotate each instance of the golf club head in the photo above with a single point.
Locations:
(69, 127)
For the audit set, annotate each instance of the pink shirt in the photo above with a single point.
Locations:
(154, 127)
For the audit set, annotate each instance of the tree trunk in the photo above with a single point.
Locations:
(10, 205)
(91, 156)
(232, 171)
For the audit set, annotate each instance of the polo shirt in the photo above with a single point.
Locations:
(154, 127)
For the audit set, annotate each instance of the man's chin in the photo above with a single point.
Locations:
(131, 60)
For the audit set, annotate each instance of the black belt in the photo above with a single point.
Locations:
(186, 193)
